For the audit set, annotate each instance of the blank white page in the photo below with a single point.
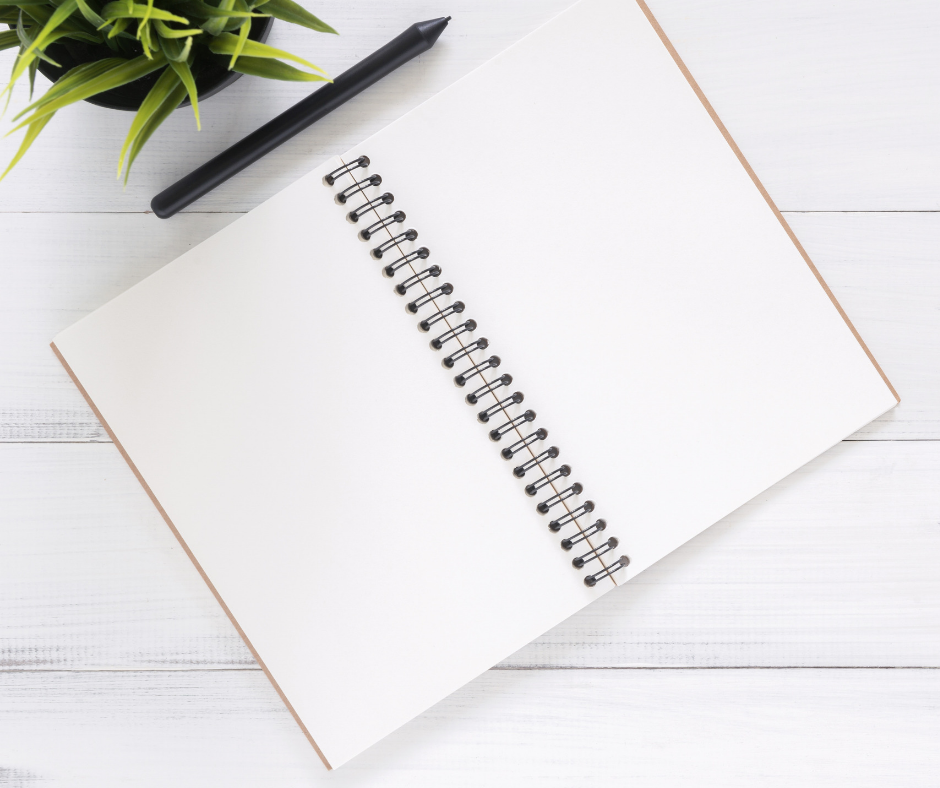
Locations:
(327, 475)
(323, 469)
(685, 355)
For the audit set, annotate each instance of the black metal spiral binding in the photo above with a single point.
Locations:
(438, 342)
(515, 398)
(621, 563)
(465, 350)
(478, 344)
(595, 553)
(539, 435)
(454, 309)
(559, 473)
(418, 254)
(557, 498)
(394, 218)
(549, 454)
(362, 161)
(383, 199)
(444, 290)
(474, 396)
(585, 508)
(587, 533)
(345, 194)
(511, 424)
(408, 235)
(477, 369)
(431, 272)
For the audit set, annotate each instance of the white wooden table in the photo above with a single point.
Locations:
(795, 643)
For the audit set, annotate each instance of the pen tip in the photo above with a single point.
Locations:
(431, 30)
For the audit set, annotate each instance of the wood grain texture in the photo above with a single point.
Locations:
(834, 566)
(883, 268)
(773, 728)
(834, 104)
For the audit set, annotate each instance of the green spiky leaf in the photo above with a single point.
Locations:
(31, 133)
(200, 10)
(91, 16)
(24, 35)
(170, 103)
(9, 39)
(165, 85)
(186, 77)
(165, 31)
(115, 76)
(296, 14)
(275, 69)
(242, 38)
(55, 19)
(123, 10)
(226, 44)
(217, 24)
(119, 26)
(71, 79)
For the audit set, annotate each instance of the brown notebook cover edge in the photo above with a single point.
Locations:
(188, 552)
(760, 187)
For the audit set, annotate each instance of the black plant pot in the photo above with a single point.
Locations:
(210, 71)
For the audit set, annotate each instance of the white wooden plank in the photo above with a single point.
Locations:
(885, 271)
(885, 268)
(834, 566)
(57, 270)
(507, 728)
(833, 103)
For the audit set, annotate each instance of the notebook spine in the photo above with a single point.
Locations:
(452, 336)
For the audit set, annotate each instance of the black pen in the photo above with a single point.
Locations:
(416, 39)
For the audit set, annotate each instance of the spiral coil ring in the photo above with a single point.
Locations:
(515, 398)
(454, 309)
(539, 435)
(503, 380)
(362, 161)
(478, 344)
(621, 563)
(455, 332)
(550, 453)
(595, 553)
(345, 194)
(587, 533)
(383, 199)
(431, 272)
(497, 434)
(557, 498)
(477, 369)
(559, 473)
(393, 218)
(585, 508)
(445, 289)
(438, 342)
(418, 254)
(408, 235)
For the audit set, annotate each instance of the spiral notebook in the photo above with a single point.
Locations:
(457, 383)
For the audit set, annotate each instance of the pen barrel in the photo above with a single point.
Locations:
(233, 160)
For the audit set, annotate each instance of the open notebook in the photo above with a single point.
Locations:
(568, 222)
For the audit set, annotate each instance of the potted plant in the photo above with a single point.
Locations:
(151, 56)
